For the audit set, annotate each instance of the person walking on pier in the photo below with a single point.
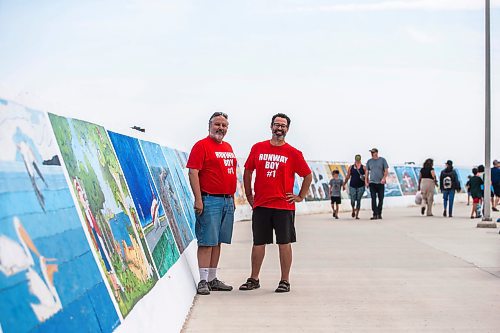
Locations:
(212, 175)
(476, 192)
(356, 174)
(449, 183)
(378, 169)
(467, 187)
(275, 163)
(335, 190)
(495, 183)
(426, 184)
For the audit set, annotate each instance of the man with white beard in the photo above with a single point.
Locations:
(212, 175)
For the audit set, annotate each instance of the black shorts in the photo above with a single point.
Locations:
(264, 220)
(336, 200)
(496, 189)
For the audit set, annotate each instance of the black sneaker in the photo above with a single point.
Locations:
(218, 285)
(203, 288)
(422, 210)
(444, 213)
(379, 217)
(374, 217)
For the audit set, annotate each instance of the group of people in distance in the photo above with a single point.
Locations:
(212, 175)
(373, 175)
(449, 184)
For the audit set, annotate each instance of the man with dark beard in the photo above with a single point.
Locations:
(275, 163)
(212, 175)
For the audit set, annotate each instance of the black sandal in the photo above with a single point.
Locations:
(283, 287)
(251, 284)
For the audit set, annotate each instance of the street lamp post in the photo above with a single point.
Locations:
(487, 222)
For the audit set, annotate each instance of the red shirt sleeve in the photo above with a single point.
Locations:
(301, 167)
(196, 157)
(250, 163)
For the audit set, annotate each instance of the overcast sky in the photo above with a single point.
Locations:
(405, 76)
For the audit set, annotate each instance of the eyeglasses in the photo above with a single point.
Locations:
(217, 114)
(280, 125)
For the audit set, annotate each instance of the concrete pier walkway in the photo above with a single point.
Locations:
(405, 273)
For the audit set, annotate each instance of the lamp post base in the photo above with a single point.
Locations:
(487, 223)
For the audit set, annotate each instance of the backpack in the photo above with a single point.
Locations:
(447, 183)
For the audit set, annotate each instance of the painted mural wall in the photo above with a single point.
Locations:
(93, 221)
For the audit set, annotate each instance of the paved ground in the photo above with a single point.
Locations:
(406, 273)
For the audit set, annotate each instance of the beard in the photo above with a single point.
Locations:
(218, 134)
(279, 134)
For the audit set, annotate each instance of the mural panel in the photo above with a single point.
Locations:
(48, 276)
(152, 215)
(169, 196)
(108, 210)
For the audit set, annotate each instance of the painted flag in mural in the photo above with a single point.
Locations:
(407, 179)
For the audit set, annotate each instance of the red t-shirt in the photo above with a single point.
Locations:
(275, 167)
(217, 165)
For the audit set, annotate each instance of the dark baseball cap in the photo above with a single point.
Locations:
(373, 150)
(449, 162)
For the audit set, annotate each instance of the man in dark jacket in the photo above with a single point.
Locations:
(449, 183)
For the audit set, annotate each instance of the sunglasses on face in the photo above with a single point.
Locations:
(217, 114)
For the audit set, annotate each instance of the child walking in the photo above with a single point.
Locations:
(335, 190)
(476, 193)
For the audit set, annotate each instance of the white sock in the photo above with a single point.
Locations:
(204, 274)
(212, 274)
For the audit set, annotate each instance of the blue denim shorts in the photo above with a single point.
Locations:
(215, 224)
